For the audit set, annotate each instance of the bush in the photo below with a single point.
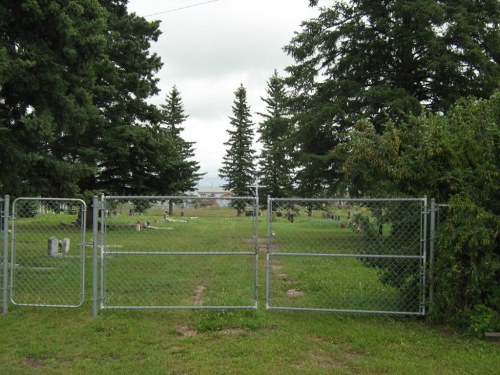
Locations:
(27, 208)
(468, 268)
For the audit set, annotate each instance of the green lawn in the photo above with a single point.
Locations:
(69, 341)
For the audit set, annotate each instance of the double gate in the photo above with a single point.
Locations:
(340, 255)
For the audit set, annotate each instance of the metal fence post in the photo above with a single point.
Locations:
(424, 255)
(94, 255)
(256, 248)
(268, 253)
(431, 252)
(5, 259)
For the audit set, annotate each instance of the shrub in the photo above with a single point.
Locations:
(468, 267)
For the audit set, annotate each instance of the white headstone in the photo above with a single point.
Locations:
(52, 246)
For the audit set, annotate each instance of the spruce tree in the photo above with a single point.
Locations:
(183, 170)
(238, 169)
(275, 161)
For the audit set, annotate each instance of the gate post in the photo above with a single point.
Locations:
(431, 252)
(94, 255)
(5, 256)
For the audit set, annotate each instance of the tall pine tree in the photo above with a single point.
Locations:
(184, 170)
(275, 161)
(238, 169)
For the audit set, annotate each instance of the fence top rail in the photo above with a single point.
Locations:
(49, 199)
(348, 199)
(168, 197)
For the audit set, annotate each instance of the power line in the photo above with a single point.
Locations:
(181, 8)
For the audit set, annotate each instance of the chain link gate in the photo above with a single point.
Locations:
(48, 252)
(347, 255)
(178, 252)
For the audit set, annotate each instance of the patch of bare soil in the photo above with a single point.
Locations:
(185, 331)
(35, 362)
(262, 245)
(198, 294)
(233, 331)
(294, 293)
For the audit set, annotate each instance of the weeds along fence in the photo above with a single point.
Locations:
(347, 255)
(170, 252)
(178, 253)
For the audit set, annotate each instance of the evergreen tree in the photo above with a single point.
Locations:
(48, 58)
(184, 169)
(237, 168)
(130, 158)
(384, 60)
(75, 77)
(275, 162)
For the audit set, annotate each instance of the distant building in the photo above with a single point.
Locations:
(213, 192)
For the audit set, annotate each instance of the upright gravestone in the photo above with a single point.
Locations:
(52, 246)
(65, 245)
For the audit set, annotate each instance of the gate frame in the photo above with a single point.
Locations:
(83, 228)
(423, 253)
(99, 254)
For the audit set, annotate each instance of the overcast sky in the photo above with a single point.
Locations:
(209, 49)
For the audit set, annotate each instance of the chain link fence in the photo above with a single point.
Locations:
(347, 255)
(48, 252)
(178, 252)
(3, 252)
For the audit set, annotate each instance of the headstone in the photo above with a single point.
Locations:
(52, 246)
(65, 245)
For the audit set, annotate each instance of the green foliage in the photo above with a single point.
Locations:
(468, 267)
(394, 230)
(183, 170)
(75, 79)
(380, 61)
(26, 208)
(454, 158)
(237, 168)
(275, 161)
(49, 55)
(432, 155)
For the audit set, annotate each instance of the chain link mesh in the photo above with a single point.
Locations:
(176, 252)
(48, 252)
(346, 255)
(442, 214)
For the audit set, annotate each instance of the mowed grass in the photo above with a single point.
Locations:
(69, 341)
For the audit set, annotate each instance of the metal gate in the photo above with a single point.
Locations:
(347, 255)
(178, 252)
(48, 252)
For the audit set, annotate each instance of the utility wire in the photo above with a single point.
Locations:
(181, 8)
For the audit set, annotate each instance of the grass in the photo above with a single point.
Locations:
(69, 341)
(55, 341)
